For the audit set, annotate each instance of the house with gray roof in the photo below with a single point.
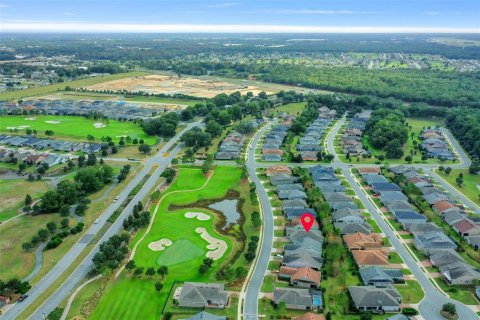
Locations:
(294, 204)
(395, 205)
(336, 197)
(271, 157)
(433, 240)
(452, 216)
(348, 228)
(203, 295)
(330, 186)
(460, 273)
(409, 216)
(348, 215)
(380, 277)
(299, 299)
(376, 300)
(444, 257)
(291, 194)
(392, 196)
(302, 259)
(206, 316)
(291, 186)
(474, 241)
(385, 186)
(296, 213)
(343, 205)
(419, 228)
(374, 178)
(283, 178)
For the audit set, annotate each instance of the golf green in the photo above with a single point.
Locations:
(181, 251)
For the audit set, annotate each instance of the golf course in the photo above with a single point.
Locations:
(73, 128)
(179, 239)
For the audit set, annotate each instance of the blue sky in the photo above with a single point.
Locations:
(240, 15)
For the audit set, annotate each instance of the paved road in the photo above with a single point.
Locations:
(80, 272)
(38, 262)
(250, 309)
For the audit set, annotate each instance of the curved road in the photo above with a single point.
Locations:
(250, 308)
(79, 273)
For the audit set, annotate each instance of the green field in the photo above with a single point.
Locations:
(11, 200)
(294, 108)
(38, 91)
(411, 291)
(185, 255)
(471, 183)
(74, 128)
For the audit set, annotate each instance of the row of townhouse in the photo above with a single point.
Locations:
(110, 109)
(57, 145)
(31, 156)
(302, 255)
(435, 145)
(428, 237)
(376, 295)
(352, 137)
(273, 141)
(309, 145)
(231, 147)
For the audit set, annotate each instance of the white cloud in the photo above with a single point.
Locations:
(224, 5)
(91, 27)
(69, 13)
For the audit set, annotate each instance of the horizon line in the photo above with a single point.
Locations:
(86, 27)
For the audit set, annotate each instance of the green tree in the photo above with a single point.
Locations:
(28, 200)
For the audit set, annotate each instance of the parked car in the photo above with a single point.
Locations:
(97, 221)
(22, 297)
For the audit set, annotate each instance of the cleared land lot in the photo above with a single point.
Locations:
(187, 251)
(169, 84)
(12, 95)
(73, 128)
(470, 186)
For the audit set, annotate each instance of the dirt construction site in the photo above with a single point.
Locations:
(170, 85)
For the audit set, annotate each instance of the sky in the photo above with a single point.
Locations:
(460, 16)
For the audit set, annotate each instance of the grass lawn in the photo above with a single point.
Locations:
(471, 183)
(268, 284)
(411, 291)
(12, 95)
(75, 128)
(393, 257)
(185, 255)
(464, 294)
(294, 108)
(83, 302)
(12, 200)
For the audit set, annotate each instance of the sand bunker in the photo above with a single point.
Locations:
(199, 215)
(217, 246)
(99, 125)
(160, 245)
(31, 118)
(52, 122)
(18, 128)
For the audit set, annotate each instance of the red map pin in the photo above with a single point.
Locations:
(307, 220)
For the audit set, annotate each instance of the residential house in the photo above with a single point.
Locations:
(409, 216)
(348, 228)
(299, 299)
(380, 277)
(277, 169)
(373, 257)
(206, 316)
(348, 215)
(376, 300)
(460, 273)
(433, 240)
(361, 241)
(203, 295)
(466, 227)
(301, 277)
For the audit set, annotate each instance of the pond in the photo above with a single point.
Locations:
(229, 210)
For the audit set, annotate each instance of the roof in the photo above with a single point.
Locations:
(409, 215)
(361, 240)
(368, 296)
(465, 225)
(442, 257)
(369, 170)
(278, 169)
(442, 205)
(202, 292)
(460, 270)
(298, 297)
(392, 195)
(346, 228)
(385, 186)
(376, 257)
(310, 316)
(306, 274)
(374, 178)
(372, 273)
(206, 316)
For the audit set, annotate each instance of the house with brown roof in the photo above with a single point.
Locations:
(273, 151)
(374, 257)
(466, 227)
(310, 316)
(361, 241)
(369, 170)
(301, 277)
(442, 205)
(277, 169)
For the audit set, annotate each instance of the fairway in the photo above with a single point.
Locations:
(181, 251)
(73, 127)
(185, 255)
